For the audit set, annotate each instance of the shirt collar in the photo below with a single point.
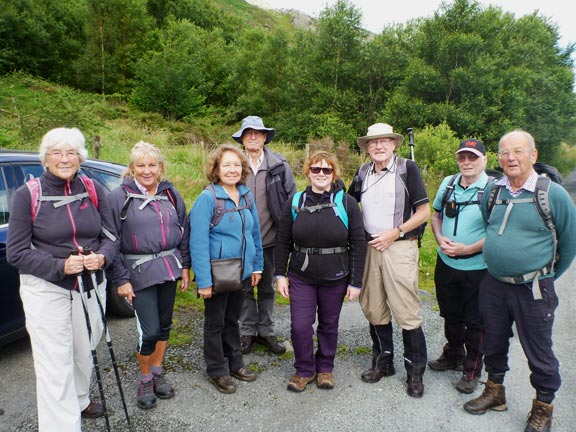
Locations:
(529, 185)
(255, 166)
(143, 189)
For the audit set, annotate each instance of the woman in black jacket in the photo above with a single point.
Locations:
(322, 235)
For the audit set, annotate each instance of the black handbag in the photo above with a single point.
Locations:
(226, 275)
(227, 272)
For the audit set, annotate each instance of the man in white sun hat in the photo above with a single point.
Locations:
(395, 205)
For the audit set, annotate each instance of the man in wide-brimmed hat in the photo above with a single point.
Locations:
(272, 183)
(395, 207)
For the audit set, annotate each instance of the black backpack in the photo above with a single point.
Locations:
(220, 206)
(402, 174)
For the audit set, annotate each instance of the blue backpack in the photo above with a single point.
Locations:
(336, 202)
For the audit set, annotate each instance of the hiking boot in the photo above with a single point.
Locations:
(146, 396)
(93, 410)
(467, 384)
(325, 380)
(415, 388)
(444, 363)
(224, 384)
(246, 343)
(244, 374)
(373, 375)
(272, 344)
(298, 383)
(540, 418)
(162, 388)
(492, 398)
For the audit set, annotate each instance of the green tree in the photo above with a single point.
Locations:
(484, 73)
(181, 75)
(41, 37)
(116, 31)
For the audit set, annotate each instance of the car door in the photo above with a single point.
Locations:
(12, 324)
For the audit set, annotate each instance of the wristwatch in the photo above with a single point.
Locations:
(400, 231)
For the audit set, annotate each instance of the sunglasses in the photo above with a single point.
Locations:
(461, 157)
(325, 170)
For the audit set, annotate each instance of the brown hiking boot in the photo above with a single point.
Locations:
(540, 418)
(492, 398)
(325, 380)
(298, 383)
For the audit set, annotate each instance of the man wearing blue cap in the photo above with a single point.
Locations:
(272, 183)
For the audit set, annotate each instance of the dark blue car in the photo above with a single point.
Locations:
(16, 168)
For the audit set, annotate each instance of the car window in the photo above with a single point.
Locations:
(31, 171)
(4, 211)
(110, 181)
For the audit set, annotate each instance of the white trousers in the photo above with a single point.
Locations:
(61, 348)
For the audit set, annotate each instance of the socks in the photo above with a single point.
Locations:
(496, 378)
(156, 370)
(144, 378)
(545, 397)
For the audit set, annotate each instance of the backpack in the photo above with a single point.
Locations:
(220, 206)
(402, 175)
(541, 202)
(336, 202)
(168, 194)
(450, 188)
(35, 187)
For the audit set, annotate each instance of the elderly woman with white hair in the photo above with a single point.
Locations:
(150, 216)
(61, 233)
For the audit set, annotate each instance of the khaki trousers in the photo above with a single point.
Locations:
(390, 286)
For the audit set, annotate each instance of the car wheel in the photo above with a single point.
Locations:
(117, 305)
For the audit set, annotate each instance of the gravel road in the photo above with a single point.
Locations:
(266, 405)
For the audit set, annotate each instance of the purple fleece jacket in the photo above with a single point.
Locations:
(40, 248)
(159, 226)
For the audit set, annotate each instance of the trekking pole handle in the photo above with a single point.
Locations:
(411, 142)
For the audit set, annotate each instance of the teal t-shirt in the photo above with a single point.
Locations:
(468, 226)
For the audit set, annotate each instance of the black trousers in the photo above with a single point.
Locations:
(502, 304)
(222, 333)
(154, 306)
(457, 294)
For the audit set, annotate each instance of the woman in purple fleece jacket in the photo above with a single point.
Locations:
(40, 247)
(150, 216)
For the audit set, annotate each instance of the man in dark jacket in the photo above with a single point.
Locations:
(272, 183)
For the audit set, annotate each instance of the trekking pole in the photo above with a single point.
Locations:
(87, 251)
(92, 347)
(411, 142)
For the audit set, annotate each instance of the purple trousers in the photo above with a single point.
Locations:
(307, 300)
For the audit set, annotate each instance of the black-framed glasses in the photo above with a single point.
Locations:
(325, 170)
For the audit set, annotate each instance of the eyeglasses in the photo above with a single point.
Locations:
(461, 157)
(325, 170)
(382, 141)
(60, 154)
(516, 152)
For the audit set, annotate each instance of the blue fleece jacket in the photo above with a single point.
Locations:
(225, 239)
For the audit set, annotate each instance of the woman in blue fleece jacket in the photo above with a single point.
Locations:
(227, 170)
